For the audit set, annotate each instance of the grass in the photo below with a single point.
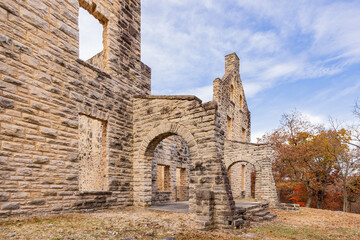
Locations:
(146, 224)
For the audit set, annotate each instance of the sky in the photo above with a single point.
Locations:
(296, 54)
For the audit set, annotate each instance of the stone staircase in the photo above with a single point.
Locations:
(254, 211)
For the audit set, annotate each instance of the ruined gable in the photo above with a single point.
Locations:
(230, 96)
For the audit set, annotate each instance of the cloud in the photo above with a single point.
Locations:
(257, 134)
(315, 118)
(278, 41)
(204, 93)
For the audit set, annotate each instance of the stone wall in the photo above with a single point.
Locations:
(97, 60)
(44, 91)
(158, 117)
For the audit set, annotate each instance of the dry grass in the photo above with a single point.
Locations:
(138, 223)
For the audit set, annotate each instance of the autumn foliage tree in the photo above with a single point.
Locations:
(311, 155)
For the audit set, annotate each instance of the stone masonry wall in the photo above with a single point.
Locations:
(157, 117)
(45, 88)
(97, 60)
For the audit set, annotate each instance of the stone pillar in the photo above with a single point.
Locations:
(232, 63)
(205, 209)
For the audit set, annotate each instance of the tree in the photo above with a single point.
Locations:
(357, 109)
(333, 145)
(311, 155)
(297, 158)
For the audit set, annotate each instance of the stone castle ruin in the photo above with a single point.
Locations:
(80, 135)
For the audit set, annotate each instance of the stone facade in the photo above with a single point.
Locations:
(86, 135)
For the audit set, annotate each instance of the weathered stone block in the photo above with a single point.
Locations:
(37, 201)
(12, 130)
(41, 159)
(4, 197)
(10, 206)
(6, 103)
(13, 147)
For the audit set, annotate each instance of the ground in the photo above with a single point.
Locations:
(139, 223)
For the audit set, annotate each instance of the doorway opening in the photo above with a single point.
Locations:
(170, 171)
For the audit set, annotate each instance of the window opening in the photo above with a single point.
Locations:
(241, 102)
(163, 177)
(243, 135)
(232, 93)
(242, 177)
(92, 149)
(91, 39)
(229, 123)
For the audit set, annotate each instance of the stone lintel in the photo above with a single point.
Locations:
(89, 193)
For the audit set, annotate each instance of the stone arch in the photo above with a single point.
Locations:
(258, 180)
(142, 159)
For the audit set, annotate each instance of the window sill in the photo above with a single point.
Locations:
(89, 193)
(92, 67)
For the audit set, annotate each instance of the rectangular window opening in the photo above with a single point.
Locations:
(91, 39)
(243, 134)
(242, 177)
(229, 125)
(92, 149)
(241, 102)
(163, 177)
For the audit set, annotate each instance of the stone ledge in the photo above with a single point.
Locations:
(210, 105)
(169, 97)
(92, 67)
(89, 193)
(249, 143)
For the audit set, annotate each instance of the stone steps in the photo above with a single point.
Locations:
(255, 211)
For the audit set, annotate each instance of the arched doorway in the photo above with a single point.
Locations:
(144, 164)
(244, 180)
(170, 171)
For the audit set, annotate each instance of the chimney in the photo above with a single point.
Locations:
(232, 63)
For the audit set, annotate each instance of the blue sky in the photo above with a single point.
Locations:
(293, 54)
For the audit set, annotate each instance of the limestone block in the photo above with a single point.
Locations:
(13, 147)
(12, 130)
(10, 206)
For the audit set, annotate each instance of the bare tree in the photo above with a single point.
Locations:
(357, 109)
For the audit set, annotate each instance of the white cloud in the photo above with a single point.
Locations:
(255, 135)
(185, 41)
(315, 118)
(204, 93)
